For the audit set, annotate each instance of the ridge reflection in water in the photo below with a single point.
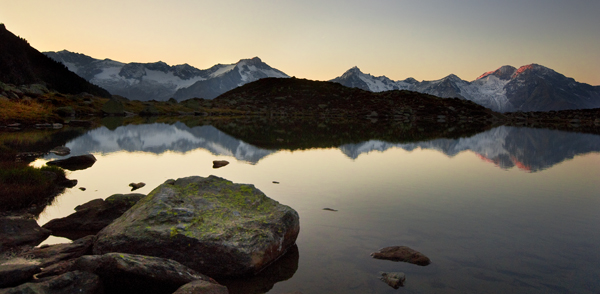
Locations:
(526, 148)
(486, 229)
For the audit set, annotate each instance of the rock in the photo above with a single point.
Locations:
(394, 279)
(138, 273)
(34, 89)
(150, 111)
(15, 274)
(49, 255)
(60, 151)
(402, 253)
(113, 107)
(82, 188)
(208, 224)
(71, 282)
(220, 163)
(202, 287)
(93, 216)
(135, 186)
(20, 230)
(57, 269)
(75, 162)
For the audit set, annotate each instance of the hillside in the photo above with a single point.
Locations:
(21, 64)
(300, 97)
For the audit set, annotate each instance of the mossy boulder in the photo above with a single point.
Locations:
(209, 224)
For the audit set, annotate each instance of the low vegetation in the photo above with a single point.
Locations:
(23, 186)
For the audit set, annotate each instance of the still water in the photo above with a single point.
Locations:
(510, 210)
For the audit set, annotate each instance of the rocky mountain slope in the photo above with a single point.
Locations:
(21, 64)
(160, 81)
(530, 88)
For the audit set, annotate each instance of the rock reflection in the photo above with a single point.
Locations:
(282, 269)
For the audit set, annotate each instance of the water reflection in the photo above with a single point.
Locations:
(507, 147)
(159, 138)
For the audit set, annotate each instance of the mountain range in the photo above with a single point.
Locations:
(160, 81)
(507, 89)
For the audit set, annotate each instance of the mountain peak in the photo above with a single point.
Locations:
(531, 67)
(352, 71)
(504, 72)
(253, 61)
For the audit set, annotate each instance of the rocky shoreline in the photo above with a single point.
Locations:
(156, 243)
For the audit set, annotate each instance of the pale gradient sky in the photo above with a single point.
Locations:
(320, 40)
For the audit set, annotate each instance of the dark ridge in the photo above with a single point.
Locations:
(300, 97)
(21, 64)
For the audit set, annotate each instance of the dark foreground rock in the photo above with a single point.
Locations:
(68, 283)
(15, 274)
(402, 253)
(130, 273)
(52, 254)
(92, 216)
(20, 230)
(208, 224)
(75, 162)
(201, 287)
(393, 279)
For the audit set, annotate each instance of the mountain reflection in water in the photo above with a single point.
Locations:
(526, 148)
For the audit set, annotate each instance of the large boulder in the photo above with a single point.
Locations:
(131, 273)
(93, 216)
(208, 224)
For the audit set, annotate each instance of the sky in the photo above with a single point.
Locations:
(321, 39)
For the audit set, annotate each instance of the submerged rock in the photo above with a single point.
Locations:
(208, 224)
(394, 279)
(92, 216)
(402, 253)
(75, 162)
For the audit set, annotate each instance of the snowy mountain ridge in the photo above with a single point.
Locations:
(159, 81)
(529, 88)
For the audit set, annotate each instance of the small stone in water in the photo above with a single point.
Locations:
(394, 279)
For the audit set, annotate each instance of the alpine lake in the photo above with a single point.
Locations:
(505, 210)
